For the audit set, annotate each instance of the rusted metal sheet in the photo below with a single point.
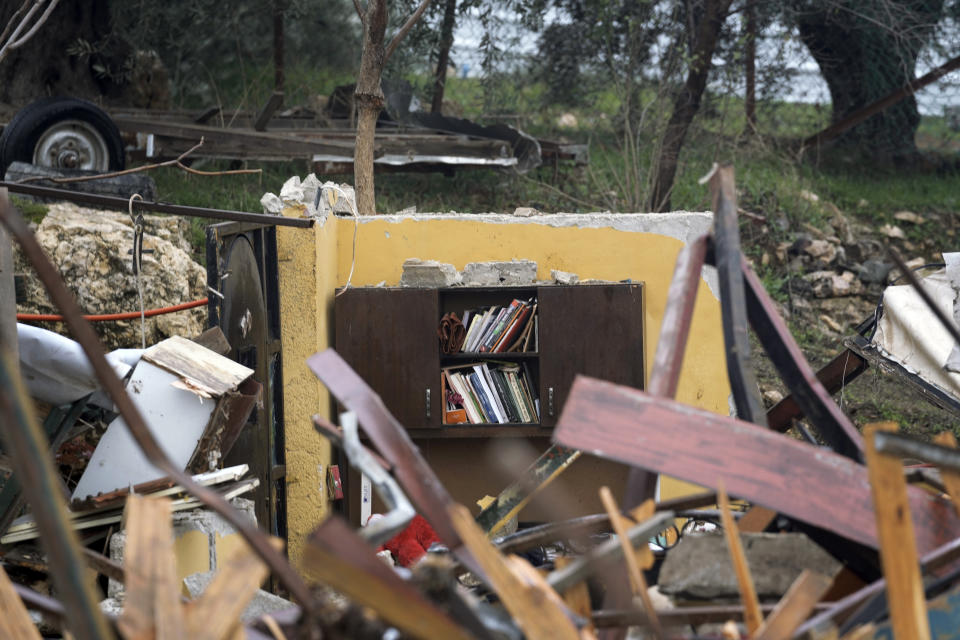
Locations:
(756, 464)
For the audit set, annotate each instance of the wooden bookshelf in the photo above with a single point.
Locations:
(389, 335)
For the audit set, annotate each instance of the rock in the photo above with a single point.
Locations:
(874, 272)
(830, 322)
(909, 216)
(823, 252)
(564, 277)
(271, 204)
(514, 272)
(862, 203)
(262, 603)
(892, 231)
(409, 211)
(800, 243)
(829, 284)
(809, 196)
(525, 212)
(90, 249)
(772, 397)
(428, 273)
(336, 198)
(699, 567)
(292, 192)
(567, 121)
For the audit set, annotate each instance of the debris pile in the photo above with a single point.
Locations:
(822, 535)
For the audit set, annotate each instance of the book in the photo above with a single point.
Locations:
(495, 318)
(469, 402)
(471, 330)
(482, 329)
(513, 329)
(478, 386)
(485, 378)
(518, 344)
(532, 390)
(503, 321)
(510, 373)
(500, 382)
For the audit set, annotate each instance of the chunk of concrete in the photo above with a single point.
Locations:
(428, 273)
(494, 273)
(699, 567)
(564, 277)
(262, 603)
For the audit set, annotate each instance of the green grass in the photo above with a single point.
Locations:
(31, 211)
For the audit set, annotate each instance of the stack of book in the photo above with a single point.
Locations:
(500, 329)
(491, 392)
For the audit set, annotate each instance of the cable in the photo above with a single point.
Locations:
(107, 317)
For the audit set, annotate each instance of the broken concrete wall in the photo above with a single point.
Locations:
(612, 247)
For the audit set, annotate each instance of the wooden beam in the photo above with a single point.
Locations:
(338, 557)
(537, 609)
(15, 621)
(215, 615)
(748, 592)
(152, 608)
(756, 464)
(795, 606)
(637, 582)
(898, 547)
(577, 597)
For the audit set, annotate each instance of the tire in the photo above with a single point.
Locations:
(65, 133)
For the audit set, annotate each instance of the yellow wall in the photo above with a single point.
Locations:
(308, 275)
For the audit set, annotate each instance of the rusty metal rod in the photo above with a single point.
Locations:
(122, 204)
(83, 333)
(35, 473)
(897, 444)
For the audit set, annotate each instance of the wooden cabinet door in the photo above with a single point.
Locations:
(389, 336)
(595, 330)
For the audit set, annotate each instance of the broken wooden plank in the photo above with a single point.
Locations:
(756, 464)
(152, 607)
(898, 549)
(757, 519)
(338, 557)
(276, 99)
(637, 582)
(216, 614)
(577, 598)
(15, 621)
(537, 610)
(794, 607)
(752, 616)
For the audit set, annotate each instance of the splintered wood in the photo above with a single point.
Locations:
(153, 608)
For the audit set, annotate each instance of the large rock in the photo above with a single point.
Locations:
(494, 273)
(91, 250)
(699, 567)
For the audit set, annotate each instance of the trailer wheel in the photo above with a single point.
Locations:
(62, 133)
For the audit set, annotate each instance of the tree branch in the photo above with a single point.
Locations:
(412, 20)
(7, 46)
(40, 21)
(13, 19)
(356, 5)
(176, 162)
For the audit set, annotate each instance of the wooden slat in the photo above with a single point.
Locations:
(152, 609)
(637, 581)
(898, 548)
(338, 557)
(577, 597)
(757, 465)
(752, 616)
(795, 606)
(950, 478)
(534, 608)
(15, 622)
(216, 614)
(757, 519)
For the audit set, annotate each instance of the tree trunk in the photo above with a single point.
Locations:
(687, 102)
(750, 66)
(44, 67)
(443, 59)
(369, 101)
(861, 62)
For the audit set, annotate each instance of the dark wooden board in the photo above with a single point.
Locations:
(388, 336)
(810, 484)
(594, 330)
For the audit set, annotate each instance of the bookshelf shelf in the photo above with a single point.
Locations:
(489, 357)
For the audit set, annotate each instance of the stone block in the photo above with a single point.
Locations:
(494, 273)
(262, 603)
(564, 277)
(699, 567)
(428, 273)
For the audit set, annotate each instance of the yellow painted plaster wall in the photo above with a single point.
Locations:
(308, 276)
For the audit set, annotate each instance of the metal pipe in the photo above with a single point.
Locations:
(897, 444)
(121, 204)
(83, 333)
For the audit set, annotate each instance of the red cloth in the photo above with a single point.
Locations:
(411, 544)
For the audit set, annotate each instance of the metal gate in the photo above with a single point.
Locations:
(242, 268)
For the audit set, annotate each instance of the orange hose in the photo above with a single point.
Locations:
(132, 315)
